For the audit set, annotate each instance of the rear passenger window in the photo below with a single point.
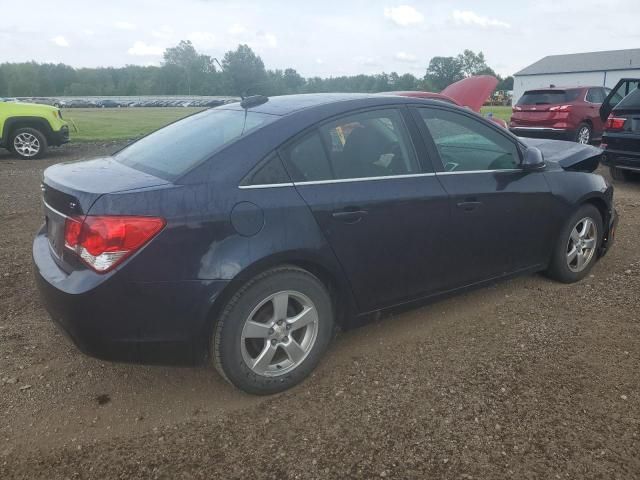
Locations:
(268, 172)
(306, 160)
(369, 144)
(364, 145)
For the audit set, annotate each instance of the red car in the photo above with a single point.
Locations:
(563, 113)
(469, 92)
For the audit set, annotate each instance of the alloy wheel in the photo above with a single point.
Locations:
(584, 135)
(582, 244)
(279, 333)
(26, 144)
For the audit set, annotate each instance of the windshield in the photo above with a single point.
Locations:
(173, 150)
(546, 97)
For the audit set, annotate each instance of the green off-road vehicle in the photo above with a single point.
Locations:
(27, 129)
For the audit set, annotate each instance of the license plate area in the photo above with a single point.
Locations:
(55, 230)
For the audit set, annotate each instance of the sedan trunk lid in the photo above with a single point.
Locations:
(70, 189)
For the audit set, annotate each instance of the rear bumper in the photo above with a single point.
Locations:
(625, 160)
(113, 319)
(543, 132)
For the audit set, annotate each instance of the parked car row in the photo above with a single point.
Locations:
(118, 103)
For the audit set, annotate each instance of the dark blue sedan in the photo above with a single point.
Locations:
(247, 233)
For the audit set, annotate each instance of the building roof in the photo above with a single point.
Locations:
(585, 62)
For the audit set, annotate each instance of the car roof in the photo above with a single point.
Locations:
(286, 104)
(562, 89)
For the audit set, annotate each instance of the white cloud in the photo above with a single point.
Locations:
(203, 40)
(270, 39)
(265, 39)
(319, 61)
(367, 61)
(141, 49)
(164, 32)
(124, 26)
(406, 57)
(467, 17)
(88, 32)
(236, 29)
(60, 41)
(403, 15)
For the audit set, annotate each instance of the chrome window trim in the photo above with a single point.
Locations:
(266, 185)
(367, 179)
(364, 179)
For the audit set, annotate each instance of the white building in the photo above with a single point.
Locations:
(578, 69)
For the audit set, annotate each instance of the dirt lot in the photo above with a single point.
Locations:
(527, 379)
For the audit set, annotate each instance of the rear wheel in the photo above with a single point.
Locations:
(583, 134)
(576, 249)
(28, 143)
(273, 332)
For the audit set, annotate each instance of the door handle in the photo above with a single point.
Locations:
(349, 215)
(469, 206)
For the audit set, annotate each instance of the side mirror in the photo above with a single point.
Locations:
(533, 160)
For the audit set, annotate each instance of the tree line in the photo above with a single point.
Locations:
(185, 71)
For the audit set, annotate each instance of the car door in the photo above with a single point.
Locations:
(594, 98)
(616, 94)
(499, 213)
(377, 205)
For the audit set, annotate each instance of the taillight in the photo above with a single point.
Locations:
(560, 108)
(615, 123)
(102, 242)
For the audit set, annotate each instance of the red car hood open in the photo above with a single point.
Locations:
(471, 92)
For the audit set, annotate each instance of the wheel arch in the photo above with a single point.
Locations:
(602, 207)
(13, 123)
(334, 281)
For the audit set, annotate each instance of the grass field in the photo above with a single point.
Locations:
(501, 112)
(104, 124)
(100, 124)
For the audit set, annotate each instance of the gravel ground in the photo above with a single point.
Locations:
(526, 379)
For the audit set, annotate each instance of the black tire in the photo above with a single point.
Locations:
(583, 127)
(28, 132)
(559, 267)
(228, 347)
(619, 175)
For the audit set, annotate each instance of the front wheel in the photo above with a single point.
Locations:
(28, 143)
(583, 134)
(577, 248)
(273, 332)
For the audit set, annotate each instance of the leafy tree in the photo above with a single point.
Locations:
(244, 70)
(443, 71)
(505, 83)
(186, 71)
(196, 68)
(474, 64)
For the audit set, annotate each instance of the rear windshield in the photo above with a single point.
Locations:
(173, 150)
(547, 97)
(631, 101)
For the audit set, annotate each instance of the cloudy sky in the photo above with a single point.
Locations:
(324, 38)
